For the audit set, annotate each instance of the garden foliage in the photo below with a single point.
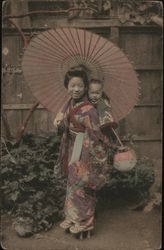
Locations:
(30, 189)
(33, 192)
(134, 12)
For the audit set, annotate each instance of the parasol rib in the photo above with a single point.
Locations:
(98, 38)
(74, 41)
(105, 52)
(114, 59)
(69, 42)
(91, 36)
(121, 77)
(38, 56)
(46, 100)
(60, 51)
(79, 42)
(51, 101)
(84, 43)
(74, 52)
(126, 77)
(122, 82)
(57, 99)
(43, 51)
(59, 42)
(94, 57)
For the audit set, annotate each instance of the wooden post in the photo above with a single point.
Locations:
(6, 125)
(114, 35)
(114, 9)
(99, 6)
(20, 7)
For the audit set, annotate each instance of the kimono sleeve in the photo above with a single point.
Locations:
(97, 150)
(94, 136)
(92, 124)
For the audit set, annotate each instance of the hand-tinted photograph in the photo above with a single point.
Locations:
(81, 118)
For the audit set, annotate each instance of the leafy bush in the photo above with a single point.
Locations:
(29, 187)
(140, 177)
(136, 182)
(34, 194)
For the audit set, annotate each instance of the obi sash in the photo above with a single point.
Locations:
(78, 131)
(77, 147)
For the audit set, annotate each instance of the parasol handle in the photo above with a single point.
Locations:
(117, 137)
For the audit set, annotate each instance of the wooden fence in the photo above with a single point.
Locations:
(141, 43)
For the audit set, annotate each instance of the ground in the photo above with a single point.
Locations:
(117, 227)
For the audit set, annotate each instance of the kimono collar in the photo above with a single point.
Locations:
(83, 99)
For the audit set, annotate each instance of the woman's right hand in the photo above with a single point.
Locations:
(58, 120)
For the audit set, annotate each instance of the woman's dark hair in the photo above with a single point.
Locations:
(77, 71)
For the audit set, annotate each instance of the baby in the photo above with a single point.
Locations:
(102, 103)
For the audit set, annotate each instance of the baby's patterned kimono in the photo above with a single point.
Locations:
(107, 122)
(83, 154)
(105, 114)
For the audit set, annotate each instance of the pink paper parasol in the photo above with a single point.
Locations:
(50, 54)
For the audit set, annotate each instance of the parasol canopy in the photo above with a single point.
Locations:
(50, 54)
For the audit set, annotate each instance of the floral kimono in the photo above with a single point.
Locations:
(84, 159)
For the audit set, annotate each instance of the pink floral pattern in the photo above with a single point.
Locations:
(88, 174)
(86, 108)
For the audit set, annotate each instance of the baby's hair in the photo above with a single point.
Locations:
(94, 80)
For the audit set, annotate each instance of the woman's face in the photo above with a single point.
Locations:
(76, 87)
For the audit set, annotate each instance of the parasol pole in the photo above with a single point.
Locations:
(117, 137)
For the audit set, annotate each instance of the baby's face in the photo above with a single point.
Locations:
(95, 92)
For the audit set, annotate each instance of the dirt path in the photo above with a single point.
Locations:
(116, 228)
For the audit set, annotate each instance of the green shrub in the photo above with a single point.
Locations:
(29, 188)
(33, 193)
(136, 182)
